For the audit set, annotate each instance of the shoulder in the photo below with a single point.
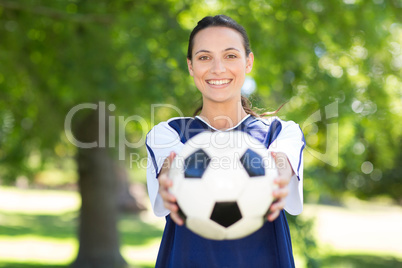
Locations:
(169, 125)
(275, 122)
(178, 124)
(166, 131)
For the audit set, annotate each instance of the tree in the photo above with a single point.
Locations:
(99, 241)
(60, 55)
(322, 58)
(341, 58)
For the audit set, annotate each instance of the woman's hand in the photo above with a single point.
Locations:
(169, 200)
(285, 173)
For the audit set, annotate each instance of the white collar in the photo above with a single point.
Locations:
(247, 116)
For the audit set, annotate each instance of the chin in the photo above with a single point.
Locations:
(221, 99)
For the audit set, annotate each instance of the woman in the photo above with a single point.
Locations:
(219, 57)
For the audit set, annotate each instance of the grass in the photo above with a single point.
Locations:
(358, 227)
(38, 229)
(29, 265)
(360, 260)
(34, 232)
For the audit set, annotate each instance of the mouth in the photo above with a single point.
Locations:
(219, 82)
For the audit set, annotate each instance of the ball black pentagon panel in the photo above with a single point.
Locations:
(226, 213)
(196, 164)
(253, 163)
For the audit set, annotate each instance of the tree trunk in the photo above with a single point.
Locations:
(99, 245)
(130, 198)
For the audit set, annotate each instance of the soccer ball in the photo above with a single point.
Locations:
(223, 183)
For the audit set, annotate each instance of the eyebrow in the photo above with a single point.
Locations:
(207, 51)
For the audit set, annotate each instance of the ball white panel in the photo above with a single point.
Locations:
(225, 184)
(244, 227)
(192, 199)
(206, 228)
(224, 180)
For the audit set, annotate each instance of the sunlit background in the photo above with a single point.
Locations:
(337, 66)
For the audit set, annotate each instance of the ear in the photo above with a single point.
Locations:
(190, 67)
(249, 63)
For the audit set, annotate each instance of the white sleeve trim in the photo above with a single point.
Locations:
(161, 140)
(290, 141)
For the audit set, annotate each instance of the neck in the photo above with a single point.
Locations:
(222, 115)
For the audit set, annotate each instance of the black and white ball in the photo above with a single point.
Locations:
(223, 182)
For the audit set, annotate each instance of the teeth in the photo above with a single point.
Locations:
(218, 82)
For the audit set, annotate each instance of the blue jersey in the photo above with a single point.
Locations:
(270, 246)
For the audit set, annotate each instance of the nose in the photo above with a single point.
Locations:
(218, 66)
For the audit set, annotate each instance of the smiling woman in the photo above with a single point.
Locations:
(218, 59)
(219, 65)
(240, 48)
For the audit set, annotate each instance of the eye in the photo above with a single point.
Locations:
(231, 56)
(203, 58)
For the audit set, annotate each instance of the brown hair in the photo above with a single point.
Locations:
(218, 20)
(247, 106)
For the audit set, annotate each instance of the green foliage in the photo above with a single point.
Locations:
(59, 54)
(55, 55)
(304, 241)
(313, 54)
(310, 54)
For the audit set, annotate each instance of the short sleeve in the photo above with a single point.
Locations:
(160, 141)
(291, 141)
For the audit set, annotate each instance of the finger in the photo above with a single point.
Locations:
(176, 218)
(167, 196)
(282, 181)
(172, 206)
(282, 163)
(273, 155)
(170, 158)
(278, 205)
(272, 216)
(278, 156)
(164, 181)
(168, 162)
(281, 193)
(275, 209)
(164, 191)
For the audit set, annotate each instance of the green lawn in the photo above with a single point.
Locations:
(360, 261)
(38, 229)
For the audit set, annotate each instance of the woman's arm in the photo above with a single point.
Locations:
(169, 200)
(285, 173)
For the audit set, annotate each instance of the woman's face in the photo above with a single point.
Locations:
(219, 63)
